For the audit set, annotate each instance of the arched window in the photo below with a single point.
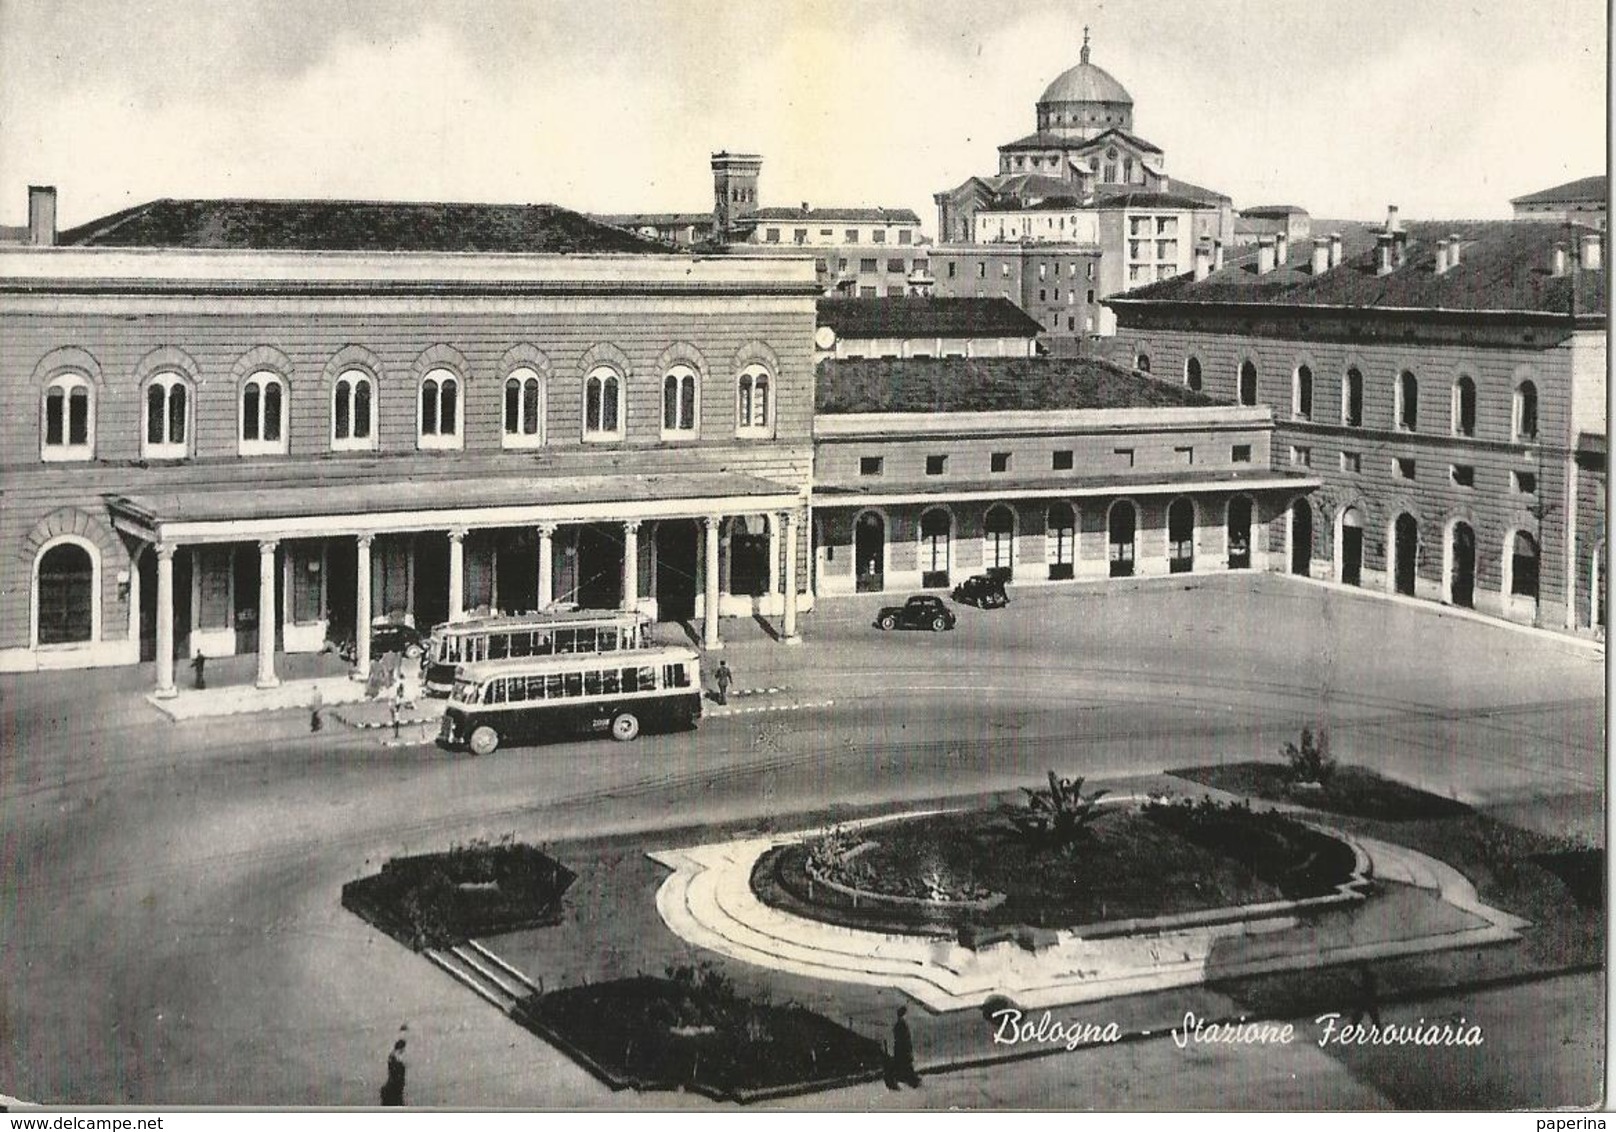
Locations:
(603, 404)
(1192, 373)
(1121, 525)
(1142, 363)
(679, 402)
(263, 415)
(65, 596)
(353, 423)
(439, 418)
(1464, 407)
(1352, 399)
(524, 409)
(1181, 536)
(1523, 566)
(999, 538)
(936, 532)
(1060, 541)
(1525, 411)
(754, 410)
(67, 430)
(1248, 383)
(1302, 393)
(1408, 402)
(168, 418)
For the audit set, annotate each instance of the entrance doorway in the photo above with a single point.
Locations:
(1350, 564)
(936, 535)
(1406, 542)
(599, 582)
(244, 564)
(1239, 533)
(1181, 537)
(1462, 566)
(1301, 538)
(676, 569)
(998, 540)
(869, 552)
(1122, 525)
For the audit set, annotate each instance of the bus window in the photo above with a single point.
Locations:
(573, 682)
(648, 679)
(675, 676)
(565, 640)
(499, 646)
(515, 690)
(611, 681)
(608, 640)
(631, 679)
(521, 644)
(552, 687)
(543, 645)
(495, 693)
(535, 687)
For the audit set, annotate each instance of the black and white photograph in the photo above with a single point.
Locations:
(834, 556)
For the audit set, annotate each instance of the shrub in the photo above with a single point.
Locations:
(1310, 761)
(1057, 818)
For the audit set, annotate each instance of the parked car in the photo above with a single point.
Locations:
(985, 591)
(391, 637)
(920, 612)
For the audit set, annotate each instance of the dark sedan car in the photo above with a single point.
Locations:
(919, 612)
(985, 591)
(393, 637)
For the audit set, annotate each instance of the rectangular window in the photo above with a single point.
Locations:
(1061, 460)
(1240, 454)
(1463, 475)
(878, 236)
(841, 264)
(1042, 297)
(1525, 483)
(1091, 297)
(771, 235)
(870, 465)
(894, 265)
(936, 465)
(827, 232)
(982, 271)
(1125, 455)
(1184, 454)
(822, 266)
(868, 265)
(951, 266)
(1403, 467)
(800, 236)
(852, 236)
(1301, 456)
(999, 462)
(867, 292)
(1351, 462)
(1004, 270)
(903, 235)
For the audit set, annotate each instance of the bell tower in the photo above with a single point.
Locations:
(735, 184)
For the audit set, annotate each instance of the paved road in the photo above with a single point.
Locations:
(173, 933)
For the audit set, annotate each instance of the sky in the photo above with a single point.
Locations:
(1444, 108)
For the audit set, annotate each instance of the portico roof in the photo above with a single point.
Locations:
(383, 506)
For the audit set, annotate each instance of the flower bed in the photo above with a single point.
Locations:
(693, 1030)
(1350, 790)
(440, 900)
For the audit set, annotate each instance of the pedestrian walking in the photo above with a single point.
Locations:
(316, 703)
(724, 678)
(902, 1070)
(199, 665)
(393, 1090)
(1367, 1003)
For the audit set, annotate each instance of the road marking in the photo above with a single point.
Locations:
(725, 712)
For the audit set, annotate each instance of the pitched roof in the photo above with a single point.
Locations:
(938, 385)
(1197, 192)
(1049, 139)
(1587, 188)
(1503, 266)
(1273, 211)
(862, 215)
(347, 225)
(1149, 200)
(918, 317)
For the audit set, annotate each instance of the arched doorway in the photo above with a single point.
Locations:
(1060, 541)
(1121, 526)
(1349, 547)
(66, 595)
(999, 540)
(936, 535)
(1405, 551)
(1181, 537)
(1523, 567)
(1462, 565)
(1301, 532)
(869, 552)
(1239, 533)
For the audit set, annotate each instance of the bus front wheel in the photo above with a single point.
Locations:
(625, 726)
(484, 741)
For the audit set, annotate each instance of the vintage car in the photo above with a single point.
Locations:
(920, 612)
(985, 591)
(392, 636)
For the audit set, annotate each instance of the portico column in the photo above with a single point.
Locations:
(165, 621)
(362, 614)
(457, 574)
(546, 564)
(788, 623)
(709, 576)
(773, 522)
(631, 565)
(266, 615)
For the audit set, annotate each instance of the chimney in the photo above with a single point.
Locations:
(1557, 260)
(1282, 249)
(42, 215)
(1321, 255)
(1383, 254)
(1453, 249)
(1391, 218)
(1442, 257)
(1399, 247)
(1335, 249)
(1592, 250)
(1203, 259)
(1217, 255)
(1265, 255)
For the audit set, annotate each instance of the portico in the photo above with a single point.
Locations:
(347, 556)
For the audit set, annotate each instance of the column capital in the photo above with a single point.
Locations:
(632, 526)
(457, 534)
(365, 541)
(547, 530)
(712, 521)
(165, 550)
(268, 545)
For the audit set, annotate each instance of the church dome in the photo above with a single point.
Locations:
(1085, 83)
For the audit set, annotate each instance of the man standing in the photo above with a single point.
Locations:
(724, 677)
(199, 665)
(903, 1052)
(393, 1090)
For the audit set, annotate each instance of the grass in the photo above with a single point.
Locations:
(1349, 790)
